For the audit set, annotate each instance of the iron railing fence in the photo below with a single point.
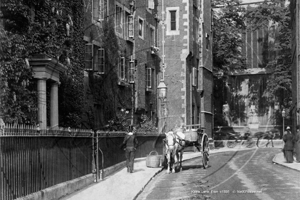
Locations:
(33, 159)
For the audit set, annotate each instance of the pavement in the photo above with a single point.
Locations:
(126, 186)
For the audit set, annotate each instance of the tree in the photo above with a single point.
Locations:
(228, 26)
(275, 16)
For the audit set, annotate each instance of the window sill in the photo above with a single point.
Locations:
(169, 32)
(149, 89)
(123, 83)
(129, 39)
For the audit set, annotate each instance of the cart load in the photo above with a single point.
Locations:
(191, 135)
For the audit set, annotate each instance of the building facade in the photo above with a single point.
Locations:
(186, 65)
(147, 58)
(295, 14)
(121, 60)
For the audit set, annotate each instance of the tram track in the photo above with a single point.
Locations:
(231, 175)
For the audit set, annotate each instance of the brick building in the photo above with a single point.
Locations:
(138, 29)
(147, 57)
(124, 63)
(185, 49)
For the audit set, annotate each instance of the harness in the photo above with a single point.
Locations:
(170, 144)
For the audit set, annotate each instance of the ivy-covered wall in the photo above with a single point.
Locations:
(106, 97)
(52, 28)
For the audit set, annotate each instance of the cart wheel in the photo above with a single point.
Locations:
(205, 151)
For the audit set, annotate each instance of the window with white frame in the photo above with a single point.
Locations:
(149, 72)
(122, 68)
(101, 61)
(94, 58)
(151, 4)
(119, 19)
(172, 20)
(132, 70)
(88, 56)
(141, 28)
(95, 9)
(152, 36)
(195, 77)
(130, 26)
(102, 9)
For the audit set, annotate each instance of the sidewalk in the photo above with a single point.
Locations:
(123, 185)
(280, 160)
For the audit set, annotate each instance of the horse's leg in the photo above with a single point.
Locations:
(168, 162)
(173, 164)
(180, 160)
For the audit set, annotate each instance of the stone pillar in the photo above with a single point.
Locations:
(42, 103)
(54, 105)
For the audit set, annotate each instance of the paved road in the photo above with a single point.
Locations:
(232, 175)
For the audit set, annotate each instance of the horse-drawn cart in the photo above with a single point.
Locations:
(177, 140)
(196, 137)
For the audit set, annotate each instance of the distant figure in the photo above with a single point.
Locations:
(297, 145)
(130, 144)
(288, 145)
(226, 112)
(270, 136)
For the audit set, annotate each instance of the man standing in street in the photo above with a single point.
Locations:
(288, 148)
(297, 145)
(130, 144)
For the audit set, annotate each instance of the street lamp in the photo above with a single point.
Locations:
(132, 82)
(162, 95)
(283, 116)
(162, 91)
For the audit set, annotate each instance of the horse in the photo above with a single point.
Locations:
(174, 144)
(269, 135)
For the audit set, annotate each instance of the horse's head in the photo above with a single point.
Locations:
(170, 138)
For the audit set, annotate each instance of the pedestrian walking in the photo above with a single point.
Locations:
(288, 148)
(297, 145)
(130, 144)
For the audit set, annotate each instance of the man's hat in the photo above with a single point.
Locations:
(288, 128)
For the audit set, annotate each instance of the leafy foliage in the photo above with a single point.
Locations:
(52, 28)
(230, 22)
(146, 124)
(275, 14)
(228, 25)
(18, 99)
(105, 97)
